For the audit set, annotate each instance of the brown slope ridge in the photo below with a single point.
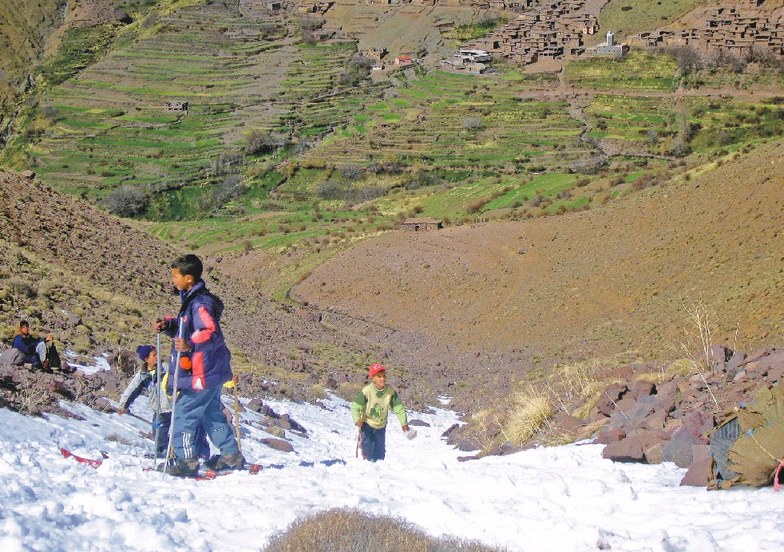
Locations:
(71, 269)
(593, 283)
(96, 282)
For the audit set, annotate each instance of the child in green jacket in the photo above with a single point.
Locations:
(370, 410)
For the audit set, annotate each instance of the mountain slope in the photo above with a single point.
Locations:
(96, 282)
(74, 270)
(593, 283)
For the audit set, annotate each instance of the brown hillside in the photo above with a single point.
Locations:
(96, 282)
(24, 29)
(74, 270)
(593, 283)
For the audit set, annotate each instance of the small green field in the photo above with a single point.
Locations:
(704, 125)
(445, 121)
(626, 17)
(636, 72)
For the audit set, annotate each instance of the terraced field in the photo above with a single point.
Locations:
(626, 17)
(653, 124)
(639, 72)
(459, 122)
(110, 126)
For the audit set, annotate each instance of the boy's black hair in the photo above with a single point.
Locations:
(24, 324)
(189, 265)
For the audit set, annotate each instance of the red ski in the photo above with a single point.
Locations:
(212, 474)
(92, 462)
(208, 474)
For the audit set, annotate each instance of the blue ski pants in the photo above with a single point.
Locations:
(203, 408)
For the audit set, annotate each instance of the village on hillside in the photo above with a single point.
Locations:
(557, 29)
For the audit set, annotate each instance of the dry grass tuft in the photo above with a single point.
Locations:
(529, 414)
(347, 530)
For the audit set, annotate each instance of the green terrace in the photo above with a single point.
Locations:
(455, 122)
(653, 124)
(110, 125)
(636, 72)
(627, 17)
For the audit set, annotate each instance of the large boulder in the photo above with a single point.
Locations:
(693, 432)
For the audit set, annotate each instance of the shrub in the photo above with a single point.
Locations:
(477, 205)
(686, 58)
(230, 188)
(226, 163)
(310, 23)
(127, 201)
(329, 189)
(529, 413)
(260, 142)
(473, 124)
(352, 172)
(350, 530)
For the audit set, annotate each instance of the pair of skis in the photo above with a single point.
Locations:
(207, 474)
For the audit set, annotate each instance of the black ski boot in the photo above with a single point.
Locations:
(183, 468)
(230, 462)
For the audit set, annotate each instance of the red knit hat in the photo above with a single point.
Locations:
(375, 369)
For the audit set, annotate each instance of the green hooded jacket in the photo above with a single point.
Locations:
(372, 406)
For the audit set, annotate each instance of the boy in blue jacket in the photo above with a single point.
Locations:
(204, 366)
(29, 349)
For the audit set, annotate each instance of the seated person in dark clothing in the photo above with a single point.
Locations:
(29, 349)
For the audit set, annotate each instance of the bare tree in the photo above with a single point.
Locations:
(127, 201)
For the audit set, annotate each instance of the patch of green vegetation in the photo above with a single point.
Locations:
(627, 17)
(679, 126)
(459, 123)
(546, 185)
(471, 31)
(80, 47)
(638, 71)
(734, 78)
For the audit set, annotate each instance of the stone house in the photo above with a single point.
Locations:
(177, 107)
(421, 225)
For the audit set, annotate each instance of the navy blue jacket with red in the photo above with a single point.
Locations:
(209, 358)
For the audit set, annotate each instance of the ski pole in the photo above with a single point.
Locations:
(237, 415)
(157, 384)
(169, 448)
(359, 442)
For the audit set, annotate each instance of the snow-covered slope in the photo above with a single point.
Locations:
(559, 499)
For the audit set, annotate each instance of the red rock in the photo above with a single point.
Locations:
(699, 472)
(609, 396)
(654, 454)
(610, 436)
(568, 423)
(642, 388)
(631, 449)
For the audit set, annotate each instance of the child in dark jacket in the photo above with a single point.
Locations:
(29, 349)
(370, 410)
(203, 364)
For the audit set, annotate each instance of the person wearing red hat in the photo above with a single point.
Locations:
(370, 411)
